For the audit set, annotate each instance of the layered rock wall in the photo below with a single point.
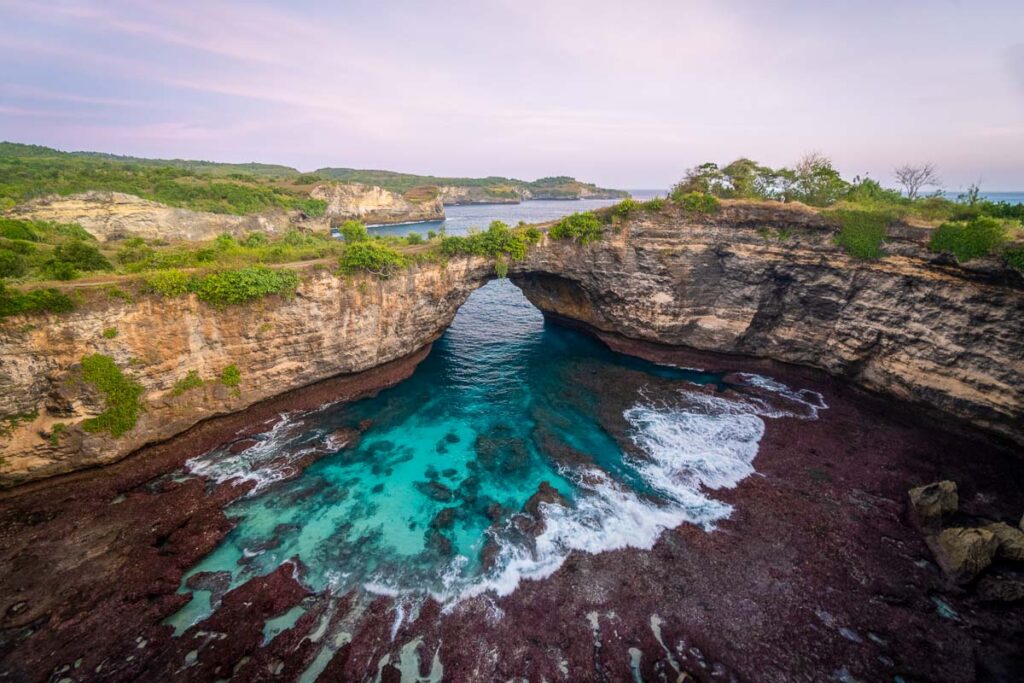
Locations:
(375, 205)
(331, 326)
(768, 280)
(110, 216)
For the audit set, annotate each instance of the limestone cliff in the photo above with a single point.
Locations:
(373, 205)
(330, 326)
(456, 195)
(767, 280)
(111, 216)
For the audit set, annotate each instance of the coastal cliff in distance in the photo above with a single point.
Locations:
(375, 205)
(490, 190)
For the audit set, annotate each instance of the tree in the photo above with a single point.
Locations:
(913, 178)
(815, 181)
(354, 231)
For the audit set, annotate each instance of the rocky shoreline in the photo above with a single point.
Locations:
(818, 574)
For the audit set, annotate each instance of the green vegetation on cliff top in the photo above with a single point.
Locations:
(30, 171)
(554, 187)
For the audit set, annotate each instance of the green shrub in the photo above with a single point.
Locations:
(696, 202)
(11, 264)
(977, 238)
(14, 229)
(862, 232)
(626, 207)
(372, 257)
(431, 234)
(653, 205)
(1014, 257)
(121, 395)
(73, 257)
(14, 302)
(414, 238)
(497, 240)
(579, 227)
(242, 285)
(231, 376)
(255, 239)
(354, 231)
(191, 380)
(168, 283)
(501, 267)
(56, 432)
(110, 333)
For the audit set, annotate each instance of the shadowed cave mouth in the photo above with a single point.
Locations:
(514, 443)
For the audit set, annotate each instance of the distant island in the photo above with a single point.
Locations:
(490, 190)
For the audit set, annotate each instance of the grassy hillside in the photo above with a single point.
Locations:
(556, 186)
(28, 171)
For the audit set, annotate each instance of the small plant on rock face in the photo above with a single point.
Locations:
(863, 232)
(110, 333)
(231, 376)
(121, 395)
(501, 267)
(191, 380)
(56, 432)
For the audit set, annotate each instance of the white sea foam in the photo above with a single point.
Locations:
(694, 444)
(266, 462)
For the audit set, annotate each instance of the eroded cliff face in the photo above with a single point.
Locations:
(767, 280)
(374, 205)
(109, 216)
(331, 326)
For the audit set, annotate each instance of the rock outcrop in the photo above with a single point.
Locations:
(768, 280)
(331, 326)
(110, 216)
(929, 504)
(375, 205)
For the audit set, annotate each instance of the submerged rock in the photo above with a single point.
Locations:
(964, 553)
(435, 490)
(929, 504)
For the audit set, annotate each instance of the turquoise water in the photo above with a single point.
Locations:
(431, 498)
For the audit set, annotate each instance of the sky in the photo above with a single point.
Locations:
(626, 94)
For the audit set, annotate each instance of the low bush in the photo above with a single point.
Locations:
(626, 207)
(372, 257)
(12, 264)
(14, 229)
(75, 256)
(1014, 257)
(497, 240)
(110, 333)
(414, 238)
(579, 227)
(653, 205)
(14, 302)
(354, 231)
(121, 395)
(971, 240)
(862, 232)
(696, 202)
(242, 285)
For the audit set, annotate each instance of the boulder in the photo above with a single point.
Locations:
(929, 504)
(1011, 541)
(1001, 589)
(963, 553)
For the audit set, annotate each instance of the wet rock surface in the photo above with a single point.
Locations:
(819, 574)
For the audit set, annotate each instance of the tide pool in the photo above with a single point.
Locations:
(432, 497)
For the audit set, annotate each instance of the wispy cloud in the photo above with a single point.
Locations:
(625, 93)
